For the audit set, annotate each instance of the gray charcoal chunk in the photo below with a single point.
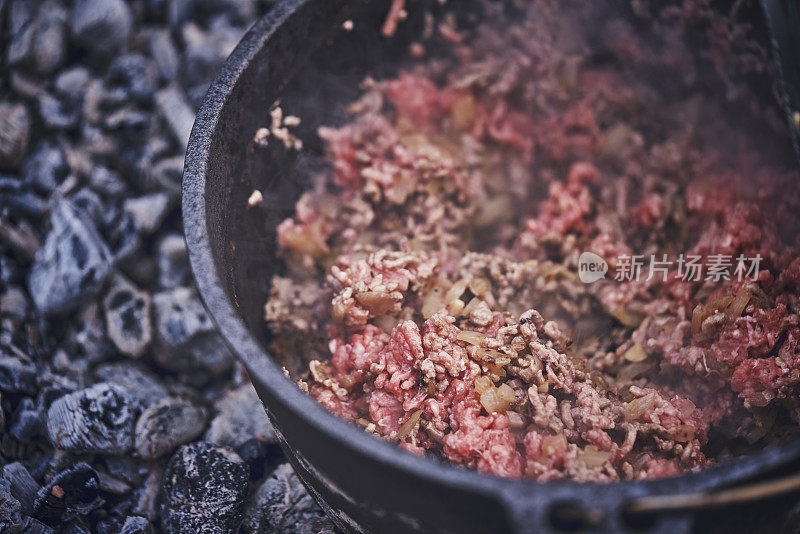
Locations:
(27, 425)
(15, 126)
(282, 504)
(177, 112)
(142, 387)
(240, 416)
(208, 352)
(22, 485)
(10, 509)
(106, 182)
(101, 26)
(166, 424)
(148, 211)
(136, 525)
(73, 264)
(179, 316)
(127, 311)
(97, 419)
(204, 489)
(49, 44)
(165, 55)
(173, 262)
(17, 376)
(46, 168)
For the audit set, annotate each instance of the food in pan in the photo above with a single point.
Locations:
(532, 259)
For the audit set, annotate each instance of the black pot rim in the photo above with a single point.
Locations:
(269, 375)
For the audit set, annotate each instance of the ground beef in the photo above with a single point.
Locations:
(435, 294)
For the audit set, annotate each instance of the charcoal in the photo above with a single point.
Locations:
(59, 113)
(126, 468)
(141, 386)
(15, 125)
(260, 455)
(14, 302)
(21, 30)
(27, 424)
(113, 485)
(46, 168)
(73, 81)
(148, 211)
(240, 417)
(21, 484)
(135, 75)
(130, 123)
(282, 504)
(122, 233)
(10, 509)
(179, 317)
(23, 202)
(167, 173)
(207, 353)
(204, 488)
(173, 262)
(75, 527)
(127, 311)
(178, 114)
(49, 43)
(72, 493)
(163, 51)
(166, 424)
(73, 264)
(106, 182)
(34, 526)
(89, 336)
(136, 525)
(89, 202)
(97, 419)
(17, 376)
(100, 26)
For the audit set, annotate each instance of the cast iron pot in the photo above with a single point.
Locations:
(364, 484)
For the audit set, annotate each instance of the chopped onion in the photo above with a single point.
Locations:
(683, 433)
(738, 304)
(639, 406)
(376, 302)
(554, 444)
(480, 286)
(471, 337)
(515, 420)
(628, 316)
(408, 426)
(635, 354)
(483, 383)
(455, 291)
(506, 393)
(593, 457)
(491, 401)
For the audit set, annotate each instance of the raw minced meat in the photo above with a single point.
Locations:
(434, 284)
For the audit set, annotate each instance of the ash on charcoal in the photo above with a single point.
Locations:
(10, 509)
(73, 264)
(97, 419)
(17, 376)
(113, 485)
(240, 416)
(282, 504)
(100, 26)
(166, 424)
(173, 262)
(141, 386)
(46, 168)
(127, 311)
(73, 81)
(148, 211)
(15, 125)
(72, 493)
(88, 336)
(136, 525)
(204, 489)
(181, 324)
(21, 484)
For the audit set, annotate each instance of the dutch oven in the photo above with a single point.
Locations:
(298, 53)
